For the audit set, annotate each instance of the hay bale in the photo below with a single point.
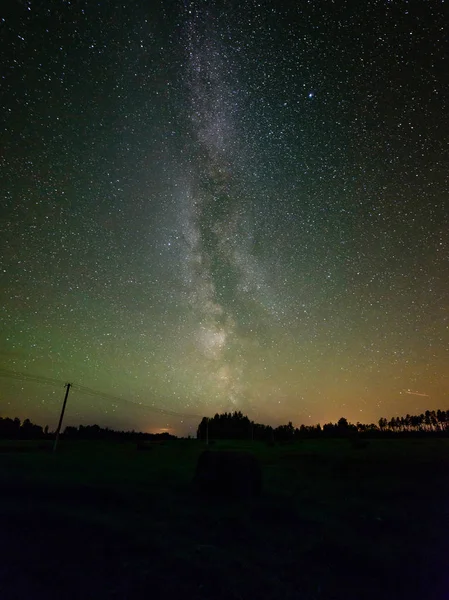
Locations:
(228, 473)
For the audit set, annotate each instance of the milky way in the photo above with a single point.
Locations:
(215, 206)
(216, 227)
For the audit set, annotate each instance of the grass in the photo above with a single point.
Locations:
(101, 520)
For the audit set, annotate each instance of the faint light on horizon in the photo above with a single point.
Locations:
(161, 430)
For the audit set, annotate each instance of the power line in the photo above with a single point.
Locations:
(30, 378)
(112, 398)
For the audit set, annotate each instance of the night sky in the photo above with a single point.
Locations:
(212, 206)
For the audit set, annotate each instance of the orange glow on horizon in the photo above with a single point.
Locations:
(169, 430)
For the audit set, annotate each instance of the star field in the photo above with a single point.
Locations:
(213, 206)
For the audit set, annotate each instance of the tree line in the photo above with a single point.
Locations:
(235, 426)
(95, 432)
(14, 429)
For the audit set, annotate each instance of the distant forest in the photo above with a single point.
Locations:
(14, 429)
(236, 426)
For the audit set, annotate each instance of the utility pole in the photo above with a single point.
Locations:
(58, 430)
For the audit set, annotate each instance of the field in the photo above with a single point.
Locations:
(102, 520)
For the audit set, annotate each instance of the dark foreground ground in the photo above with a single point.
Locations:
(100, 520)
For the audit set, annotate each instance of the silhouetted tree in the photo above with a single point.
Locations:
(9, 428)
(29, 431)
